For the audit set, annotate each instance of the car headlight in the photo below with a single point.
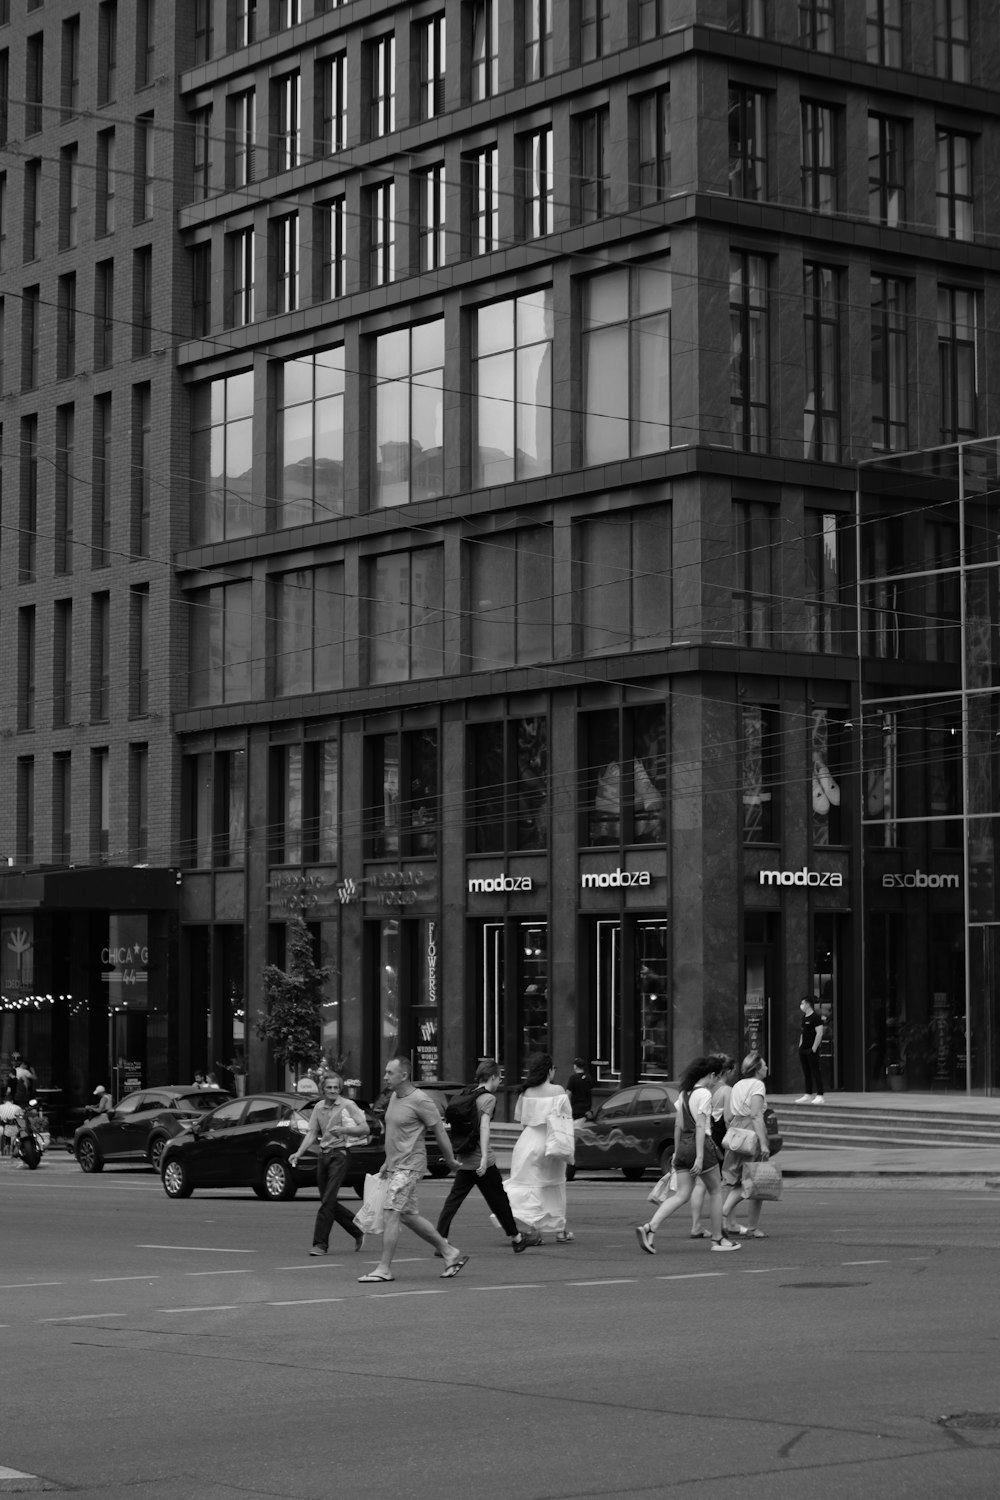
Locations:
(300, 1125)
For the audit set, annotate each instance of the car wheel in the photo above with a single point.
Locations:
(279, 1185)
(570, 1173)
(633, 1174)
(666, 1157)
(156, 1146)
(88, 1156)
(176, 1183)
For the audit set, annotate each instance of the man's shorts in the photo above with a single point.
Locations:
(401, 1194)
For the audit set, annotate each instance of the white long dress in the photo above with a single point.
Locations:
(536, 1186)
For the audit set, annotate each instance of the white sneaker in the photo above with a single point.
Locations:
(804, 1099)
(725, 1245)
(819, 1099)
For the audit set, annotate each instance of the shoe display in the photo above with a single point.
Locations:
(819, 1099)
(804, 1099)
(644, 1235)
(529, 1237)
(725, 1245)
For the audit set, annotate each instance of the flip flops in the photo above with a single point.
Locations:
(455, 1267)
(375, 1276)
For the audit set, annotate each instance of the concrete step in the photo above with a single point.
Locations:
(859, 1125)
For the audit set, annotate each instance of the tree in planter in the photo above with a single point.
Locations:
(294, 1002)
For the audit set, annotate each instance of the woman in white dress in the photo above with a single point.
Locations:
(536, 1186)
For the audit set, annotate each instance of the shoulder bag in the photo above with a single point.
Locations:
(686, 1149)
(762, 1180)
(740, 1140)
(560, 1140)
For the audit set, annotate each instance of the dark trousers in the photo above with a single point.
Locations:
(331, 1168)
(491, 1187)
(811, 1070)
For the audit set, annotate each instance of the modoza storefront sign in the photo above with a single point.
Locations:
(804, 876)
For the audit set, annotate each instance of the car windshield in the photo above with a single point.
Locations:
(203, 1100)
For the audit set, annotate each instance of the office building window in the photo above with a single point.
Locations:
(331, 235)
(382, 85)
(62, 808)
(484, 201)
(954, 185)
(213, 809)
(26, 810)
(653, 112)
(100, 806)
(595, 20)
(485, 49)
(243, 136)
(285, 259)
(66, 326)
(289, 13)
(34, 82)
(240, 274)
(71, 66)
(106, 183)
(957, 319)
(145, 167)
(819, 158)
(201, 134)
(536, 19)
(286, 103)
(303, 803)
(508, 781)
(31, 313)
(32, 209)
(626, 362)
(401, 798)
(139, 650)
(333, 94)
(381, 234)
(821, 327)
(749, 401)
(142, 300)
(62, 663)
(622, 583)
(654, 19)
(201, 289)
(952, 40)
(432, 65)
(310, 431)
(817, 25)
(753, 587)
(65, 488)
(513, 385)
(142, 467)
(430, 220)
(145, 43)
(408, 458)
(886, 170)
(827, 543)
(308, 608)
(100, 657)
(884, 32)
(510, 591)
(3, 354)
(107, 52)
(222, 459)
(104, 314)
(101, 487)
(405, 615)
(890, 360)
(623, 758)
(243, 23)
(747, 143)
(828, 751)
(26, 675)
(4, 95)
(28, 510)
(594, 181)
(760, 773)
(538, 186)
(138, 804)
(204, 30)
(219, 640)
(3, 220)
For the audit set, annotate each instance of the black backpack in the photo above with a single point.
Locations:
(462, 1118)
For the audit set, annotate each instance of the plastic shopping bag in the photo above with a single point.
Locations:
(370, 1217)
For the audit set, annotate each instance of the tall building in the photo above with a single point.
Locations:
(431, 473)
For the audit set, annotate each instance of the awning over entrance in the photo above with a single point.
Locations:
(102, 888)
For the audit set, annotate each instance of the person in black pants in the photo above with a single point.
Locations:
(477, 1168)
(809, 1039)
(334, 1124)
(580, 1088)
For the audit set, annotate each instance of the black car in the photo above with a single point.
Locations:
(139, 1126)
(633, 1130)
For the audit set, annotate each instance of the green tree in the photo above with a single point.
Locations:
(294, 1002)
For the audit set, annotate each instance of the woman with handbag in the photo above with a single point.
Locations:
(536, 1187)
(746, 1129)
(696, 1155)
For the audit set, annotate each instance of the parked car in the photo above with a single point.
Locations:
(632, 1130)
(139, 1126)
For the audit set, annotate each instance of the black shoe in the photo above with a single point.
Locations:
(526, 1242)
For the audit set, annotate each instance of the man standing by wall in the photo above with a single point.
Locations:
(334, 1124)
(809, 1041)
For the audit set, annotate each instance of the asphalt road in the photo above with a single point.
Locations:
(166, 1351)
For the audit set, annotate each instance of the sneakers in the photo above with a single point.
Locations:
(319, 1250)
(529, 1238)
(644, 1235)
(819, 1099)
(804, 1099)
(725, 1245)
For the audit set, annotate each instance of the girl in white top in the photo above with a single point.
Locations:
(695, 1104)
(746, 1107)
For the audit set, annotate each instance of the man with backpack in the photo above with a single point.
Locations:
(468, 1116)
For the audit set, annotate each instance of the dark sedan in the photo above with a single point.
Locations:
(139, 1126)
(632, 1130)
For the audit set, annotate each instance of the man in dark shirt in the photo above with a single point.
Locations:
(580, 1088)
(809, 1041)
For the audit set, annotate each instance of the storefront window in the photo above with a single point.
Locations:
(508, 785)
(653, 996)
(623, 766)
(829, 755)
(761, 774)
(492, 1031)
(402, 802)
(533, 991)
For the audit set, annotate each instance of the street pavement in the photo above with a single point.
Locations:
(156, 1350)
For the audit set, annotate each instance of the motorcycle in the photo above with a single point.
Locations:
(31, 1138)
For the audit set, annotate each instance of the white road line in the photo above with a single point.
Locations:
(317, 1265)
(223, 1307)
(765, 1270)
(864, 1262)
(427, 1291)
(15, 1474)
(691, 1276)
(306, 1301)
(150, 1276)
(240, 1272)
(81, 1317)
(17, 1286)
(512, 1286)
(620, 1281)
(203, 1249)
